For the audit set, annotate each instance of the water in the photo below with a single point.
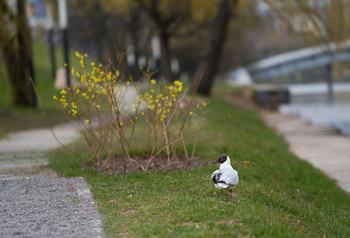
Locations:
(311, 101)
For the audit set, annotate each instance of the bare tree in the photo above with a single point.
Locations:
(211, 55)
(16, 46)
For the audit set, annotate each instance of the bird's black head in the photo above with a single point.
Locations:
(221, 159)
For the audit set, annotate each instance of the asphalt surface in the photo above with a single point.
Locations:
(35, 202)
(47, 206)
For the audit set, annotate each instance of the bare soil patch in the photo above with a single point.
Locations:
(118, 165)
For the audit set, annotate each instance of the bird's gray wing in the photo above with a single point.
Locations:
(219, 176)
(229, 176)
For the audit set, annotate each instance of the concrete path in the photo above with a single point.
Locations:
(43, 204)
(26, 149)
(39, 139)
(323, 147)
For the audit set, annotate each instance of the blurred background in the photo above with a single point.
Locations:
(298, 49)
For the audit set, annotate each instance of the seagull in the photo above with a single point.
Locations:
(225, 177)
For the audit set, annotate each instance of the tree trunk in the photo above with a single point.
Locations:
(210, 57)
(133, 28)
(98, 24)
(165, 56)
(18, 60)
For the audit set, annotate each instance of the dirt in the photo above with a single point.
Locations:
(118, 165)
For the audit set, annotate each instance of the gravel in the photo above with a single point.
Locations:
(47, 206)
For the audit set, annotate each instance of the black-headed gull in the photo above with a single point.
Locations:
(225, 177)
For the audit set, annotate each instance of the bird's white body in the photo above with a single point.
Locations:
(225, 177)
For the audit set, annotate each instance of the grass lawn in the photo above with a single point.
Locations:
(12, 118)
(278, 194)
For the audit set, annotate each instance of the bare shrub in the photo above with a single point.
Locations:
(133, 120)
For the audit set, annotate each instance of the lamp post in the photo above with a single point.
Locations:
(63, 25)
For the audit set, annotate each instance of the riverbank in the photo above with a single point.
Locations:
(311, 101)
(324, 147)
(321, 146)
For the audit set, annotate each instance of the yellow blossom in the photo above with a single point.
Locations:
(63, 91)
(153, 81)
(55, 98)
(177, 83)
(77, 54)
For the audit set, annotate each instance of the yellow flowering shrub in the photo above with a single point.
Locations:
(119, 116)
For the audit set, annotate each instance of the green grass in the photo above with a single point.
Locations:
(18, 118)
(278, 194)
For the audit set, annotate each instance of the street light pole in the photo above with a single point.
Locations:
(63, 24)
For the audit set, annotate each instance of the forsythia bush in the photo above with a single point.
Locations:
(135, 121)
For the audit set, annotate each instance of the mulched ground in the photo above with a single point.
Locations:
(119, 165)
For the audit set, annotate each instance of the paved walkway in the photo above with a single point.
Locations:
(38, 139)
(323, 147)
(26, 149)
(43, 205)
